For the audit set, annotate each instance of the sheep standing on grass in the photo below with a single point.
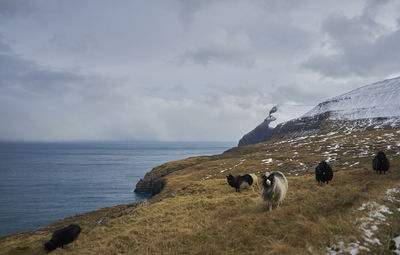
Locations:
(380, 163)
(242, 181)
(323, 173)
(62, 236)
(275, 187)
(255, 181)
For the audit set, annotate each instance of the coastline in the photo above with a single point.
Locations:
(98, 218)
(148, 185)
(45, 182)
(197, 210)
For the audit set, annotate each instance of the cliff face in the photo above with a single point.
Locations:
(150, 186)
(278, 114)
(261, 133)
(153, 182)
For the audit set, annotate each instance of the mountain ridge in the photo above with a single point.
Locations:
(372, 106)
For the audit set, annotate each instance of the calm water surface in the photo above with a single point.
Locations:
(43, 182)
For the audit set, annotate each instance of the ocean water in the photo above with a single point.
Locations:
(43, 182)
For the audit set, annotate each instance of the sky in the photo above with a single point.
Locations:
(182, 70)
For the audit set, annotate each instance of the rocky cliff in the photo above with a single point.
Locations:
(260, 134)
(278, 114)
(153, 182)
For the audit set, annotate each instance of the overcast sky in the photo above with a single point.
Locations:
(182, 69)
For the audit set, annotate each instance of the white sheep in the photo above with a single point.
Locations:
(275, 187)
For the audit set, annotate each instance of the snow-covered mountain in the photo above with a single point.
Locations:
(380, 99)
(374, 106)
(285, 112)
(277, 115)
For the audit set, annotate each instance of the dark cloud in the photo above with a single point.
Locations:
(10, 8)
(362, 45)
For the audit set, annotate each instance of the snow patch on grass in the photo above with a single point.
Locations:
(390, 196)
(356, 163)
(230, 168)
(376, 215)
(352, 248)
(266, 161)
(397, 242)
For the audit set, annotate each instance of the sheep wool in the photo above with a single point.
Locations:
(275, 187)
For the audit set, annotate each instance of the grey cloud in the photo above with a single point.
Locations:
(16, 72)
(368, 59)
(280, 40)
(10, 8)
(188, 8)
(4, 48)
(37, 103)
(217, 54)
(363, 46)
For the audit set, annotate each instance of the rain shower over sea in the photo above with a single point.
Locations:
(44, 182)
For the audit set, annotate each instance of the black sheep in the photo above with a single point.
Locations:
(62, 236)
(236, 181)
(380, 163)
(323, 172)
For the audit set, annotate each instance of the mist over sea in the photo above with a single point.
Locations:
(44, 182)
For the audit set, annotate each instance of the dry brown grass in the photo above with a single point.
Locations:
(198, 213)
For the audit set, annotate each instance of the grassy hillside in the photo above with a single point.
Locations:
(198, 213)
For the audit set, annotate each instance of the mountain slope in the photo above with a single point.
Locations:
(380, 99)
(374, 106)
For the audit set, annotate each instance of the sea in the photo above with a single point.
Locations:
(44, 182)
